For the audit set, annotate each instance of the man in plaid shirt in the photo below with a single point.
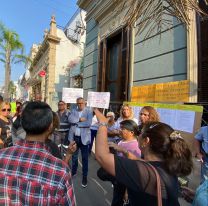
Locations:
(29, 174)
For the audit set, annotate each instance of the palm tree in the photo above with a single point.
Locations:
(151, 13)
(11, 52)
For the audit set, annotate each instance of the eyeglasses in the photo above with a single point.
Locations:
(4, 110)
(60, 104)
(143, 114)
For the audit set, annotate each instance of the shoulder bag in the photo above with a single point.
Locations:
(159, 194)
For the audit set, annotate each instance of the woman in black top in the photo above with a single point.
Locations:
(163, 148)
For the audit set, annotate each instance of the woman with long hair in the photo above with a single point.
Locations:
(126, 113)
(5, 125)
(163, 148)
(147, 114)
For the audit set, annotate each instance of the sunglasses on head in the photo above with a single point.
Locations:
(4, 110)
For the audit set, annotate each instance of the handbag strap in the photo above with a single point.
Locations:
(159, 193)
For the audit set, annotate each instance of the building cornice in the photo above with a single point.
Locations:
(102, 8)
(83, 4)
(98, 10)
(52, 38)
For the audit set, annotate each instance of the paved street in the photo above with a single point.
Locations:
(99, 193)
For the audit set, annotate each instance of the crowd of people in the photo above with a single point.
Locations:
(138, 155)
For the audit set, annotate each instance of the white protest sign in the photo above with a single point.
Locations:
(98, 99)
(70, 95)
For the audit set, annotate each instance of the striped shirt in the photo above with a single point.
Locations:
(64, 123)
(30, 175)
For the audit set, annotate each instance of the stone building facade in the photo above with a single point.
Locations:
(116, 59)
(49, 68)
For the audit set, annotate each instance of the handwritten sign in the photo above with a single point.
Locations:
(98, 99)
(70, 95)
(164, 92)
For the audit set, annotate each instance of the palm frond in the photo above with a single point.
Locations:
(152, 15)
(20, 58)
(2, 60)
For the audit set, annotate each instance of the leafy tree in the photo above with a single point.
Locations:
(11, 52)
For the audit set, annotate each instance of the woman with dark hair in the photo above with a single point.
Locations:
(50, 141)
(18, 110)
(128, 148)
(17, 130)
(53, 148)
(163, 148)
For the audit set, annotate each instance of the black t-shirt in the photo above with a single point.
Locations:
(141, 184)
(17, 122)
(4, 127)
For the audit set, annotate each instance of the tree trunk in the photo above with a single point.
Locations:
(7, 75)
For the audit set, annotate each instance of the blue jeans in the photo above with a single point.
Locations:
(93, 135)
(84, 153)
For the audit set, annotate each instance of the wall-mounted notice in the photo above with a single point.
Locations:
(98, 99)
(70, 95)
(179, 117)
(164, 92)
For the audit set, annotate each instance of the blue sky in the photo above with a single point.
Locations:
(29, 18)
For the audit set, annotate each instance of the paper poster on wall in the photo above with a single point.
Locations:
(166, 116)
(177, 91)
(70, 95)
(98, 99)
(180, 117)
(186, 121)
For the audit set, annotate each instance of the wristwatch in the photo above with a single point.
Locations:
(105, 124)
